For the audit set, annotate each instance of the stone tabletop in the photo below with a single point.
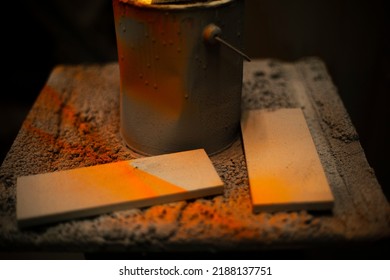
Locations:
(75, 123)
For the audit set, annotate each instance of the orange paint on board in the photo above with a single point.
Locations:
(158, 186)
(122, 180)
(270, 190)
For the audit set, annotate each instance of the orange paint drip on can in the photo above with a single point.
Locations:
(178, 92)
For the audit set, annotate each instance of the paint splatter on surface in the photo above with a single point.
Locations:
(75, 123)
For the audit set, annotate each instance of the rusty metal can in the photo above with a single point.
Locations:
(177, 91)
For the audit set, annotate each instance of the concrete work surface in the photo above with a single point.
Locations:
(75, 123)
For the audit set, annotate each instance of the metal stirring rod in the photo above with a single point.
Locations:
(211, 35)
(219, 39)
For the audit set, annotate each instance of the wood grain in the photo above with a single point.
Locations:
(284, 169)
(81, 192)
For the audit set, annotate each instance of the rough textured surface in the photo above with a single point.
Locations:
(75, 122)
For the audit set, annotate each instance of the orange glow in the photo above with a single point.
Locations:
(154, 64)
(51, 101)
(221, 218)
(270, 190)
(144, 1)
(121, 180)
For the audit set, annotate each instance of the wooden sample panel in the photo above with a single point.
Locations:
(285, 172)
(87, 191)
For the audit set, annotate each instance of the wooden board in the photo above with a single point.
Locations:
(87, 191)
(285, 172)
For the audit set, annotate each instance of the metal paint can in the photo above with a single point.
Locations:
(177, 91)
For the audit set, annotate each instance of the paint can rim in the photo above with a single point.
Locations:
(202, 5)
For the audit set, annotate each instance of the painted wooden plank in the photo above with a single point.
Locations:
(285, 172)
(87, 191)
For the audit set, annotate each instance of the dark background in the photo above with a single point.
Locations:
(350, 36)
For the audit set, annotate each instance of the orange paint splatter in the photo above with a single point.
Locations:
(52, 102)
